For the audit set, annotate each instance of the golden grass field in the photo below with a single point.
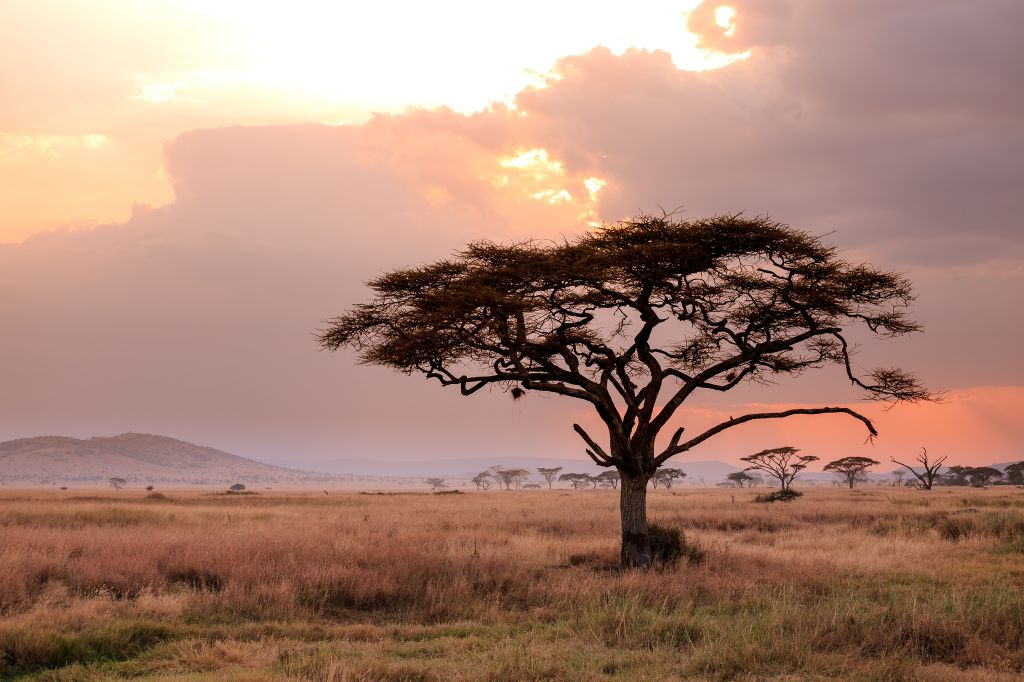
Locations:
(872, 584)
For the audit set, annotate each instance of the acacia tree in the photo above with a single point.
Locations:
(608, 478)
(740, 478)
(851, 468)
(117, 483)
(635, 319)
(436, 484)
(667, 476)
(983, 476)
(782, 464)
(578, 480)
(511, 477)
(956, 475)
(1015, 473)
(482, 480)
(549, 474)
(930, 468)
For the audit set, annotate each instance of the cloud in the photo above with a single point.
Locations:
(739, 139)
(931, 57)
(195, 319)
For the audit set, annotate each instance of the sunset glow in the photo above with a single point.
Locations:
(221, 62)
(171, 150)
(533, 175)
(726, 18)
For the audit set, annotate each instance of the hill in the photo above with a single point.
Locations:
(139, 458)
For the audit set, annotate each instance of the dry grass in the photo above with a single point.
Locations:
(870, 585)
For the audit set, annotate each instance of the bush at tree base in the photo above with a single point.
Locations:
(779, 496)
(669, 546)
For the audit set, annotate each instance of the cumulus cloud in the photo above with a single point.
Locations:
(933, 57)
(196, 319)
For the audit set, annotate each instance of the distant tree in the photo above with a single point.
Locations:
(237, 487)
(983, 476)
(898, 477)
(1015, 474)
(532, 486)
(610, 478)
(740, 479)
(930, 468)
(118, 483)
(666, 476)
(511, 478)
(549, 474)
(436, 484)
(782, 464)
(699, 305)
(483, 480)
(957, 475)
(492, 473)
(851, 469)
(577, 480)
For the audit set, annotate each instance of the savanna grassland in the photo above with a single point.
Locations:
(869, 584)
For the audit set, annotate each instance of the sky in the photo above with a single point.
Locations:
(188, 189)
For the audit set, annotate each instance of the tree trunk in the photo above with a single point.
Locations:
(851, 481)
(636, 543)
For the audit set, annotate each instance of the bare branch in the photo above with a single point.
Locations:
(763, 415)
(598, 454)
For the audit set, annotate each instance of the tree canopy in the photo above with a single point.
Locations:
(740, 479)
(667, 476)
(749, 298)
(636, 318)
(782, 463)
(851, 468)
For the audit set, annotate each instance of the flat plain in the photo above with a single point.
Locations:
(871, 584)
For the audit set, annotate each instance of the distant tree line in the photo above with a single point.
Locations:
(783, 464)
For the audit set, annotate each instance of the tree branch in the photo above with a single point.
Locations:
(763, 415)
(596, 452)
(733, 362)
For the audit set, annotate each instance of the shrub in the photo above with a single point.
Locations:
(669, 545)
(779, 496)
(956, 528)
(202, 579)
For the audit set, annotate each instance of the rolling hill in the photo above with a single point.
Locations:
(139, 458)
